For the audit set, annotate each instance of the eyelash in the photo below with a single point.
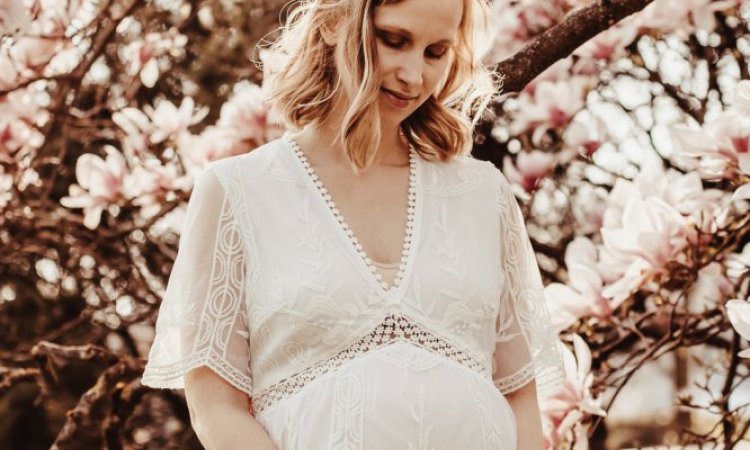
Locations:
(398, 44)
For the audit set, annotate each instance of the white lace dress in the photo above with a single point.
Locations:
(272, 291)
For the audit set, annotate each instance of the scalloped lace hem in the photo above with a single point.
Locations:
(517, 380)
(546, 378)
(171, 376)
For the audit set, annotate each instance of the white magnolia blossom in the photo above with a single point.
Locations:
(738, 264)
(247, 113)
(711, 288)
(100, 183)
(582, 295)
(143, 55)
(156, 125)
(549, 104)
(585, 138)
(738, 312)
(564, 407)
(743, 192)
(14, 16)
(716, 149)
(529, 169)
(673, 15)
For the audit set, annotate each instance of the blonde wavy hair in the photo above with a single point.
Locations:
(308, 73)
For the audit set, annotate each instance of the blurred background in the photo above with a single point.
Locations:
(630, 158)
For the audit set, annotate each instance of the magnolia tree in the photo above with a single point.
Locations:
(624, 128)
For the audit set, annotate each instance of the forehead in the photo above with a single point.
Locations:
(424, 19)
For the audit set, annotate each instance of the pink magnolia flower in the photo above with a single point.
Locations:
(610, 43)
(651, 229)
(246, 112)
(731, 132)
(142, 55)
(65, 60)
(648, 222)
(510, 31)
(20, 111)
(651, 234)
(552, 104)
(156, 125)
(152, 184)
(673, 15)
(13, 136)
(23, 104)
(529, 169)
(741, 100)
(564, 407)
(632, 278)
(720, 143)
(538, 16)
(8, 72)
(683, 192)
(695, 149)
(743, 192)
(212, 144)
(586, 137)
(31, 54)
(686, 194)
(717, 146)
(13, 17)
(137, 127)
(738, 264)
(173, 221)
(738, 312)
(710, 288)
(582, 296)
(100, 183)
(169, 121)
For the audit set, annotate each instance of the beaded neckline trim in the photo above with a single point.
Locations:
(408, 233)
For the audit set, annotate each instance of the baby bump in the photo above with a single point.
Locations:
(398, 397)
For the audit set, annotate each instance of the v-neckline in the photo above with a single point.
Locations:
(340, 223)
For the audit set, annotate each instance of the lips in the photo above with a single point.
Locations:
(399, 95)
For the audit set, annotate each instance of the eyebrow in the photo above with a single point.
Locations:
(407, 34)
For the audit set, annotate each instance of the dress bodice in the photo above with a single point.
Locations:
(270, 290)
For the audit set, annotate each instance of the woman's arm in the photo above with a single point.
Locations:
(528, 418)
(221, 414)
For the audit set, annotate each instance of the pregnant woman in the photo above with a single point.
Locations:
(362, 283)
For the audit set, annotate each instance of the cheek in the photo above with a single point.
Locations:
(433, 75)
(387, 59)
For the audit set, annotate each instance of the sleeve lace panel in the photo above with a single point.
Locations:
(526, 344)
(202, 319)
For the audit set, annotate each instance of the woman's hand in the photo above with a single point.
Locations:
(222, 415)
(528, 418)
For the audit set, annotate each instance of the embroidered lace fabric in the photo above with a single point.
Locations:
(271, 291)
(393, 328)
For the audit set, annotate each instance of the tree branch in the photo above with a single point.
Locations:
(561, 40)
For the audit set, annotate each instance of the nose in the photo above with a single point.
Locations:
(409, 72)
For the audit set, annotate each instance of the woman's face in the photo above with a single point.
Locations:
(413, 39)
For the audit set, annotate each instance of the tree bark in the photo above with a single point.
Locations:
(559, 41)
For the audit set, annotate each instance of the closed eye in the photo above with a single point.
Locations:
(396, 42)
(437, 53)
(392, 41)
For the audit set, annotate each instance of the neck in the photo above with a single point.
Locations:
(393, 150)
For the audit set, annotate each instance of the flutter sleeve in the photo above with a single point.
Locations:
(526, 344)
(202, 319)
